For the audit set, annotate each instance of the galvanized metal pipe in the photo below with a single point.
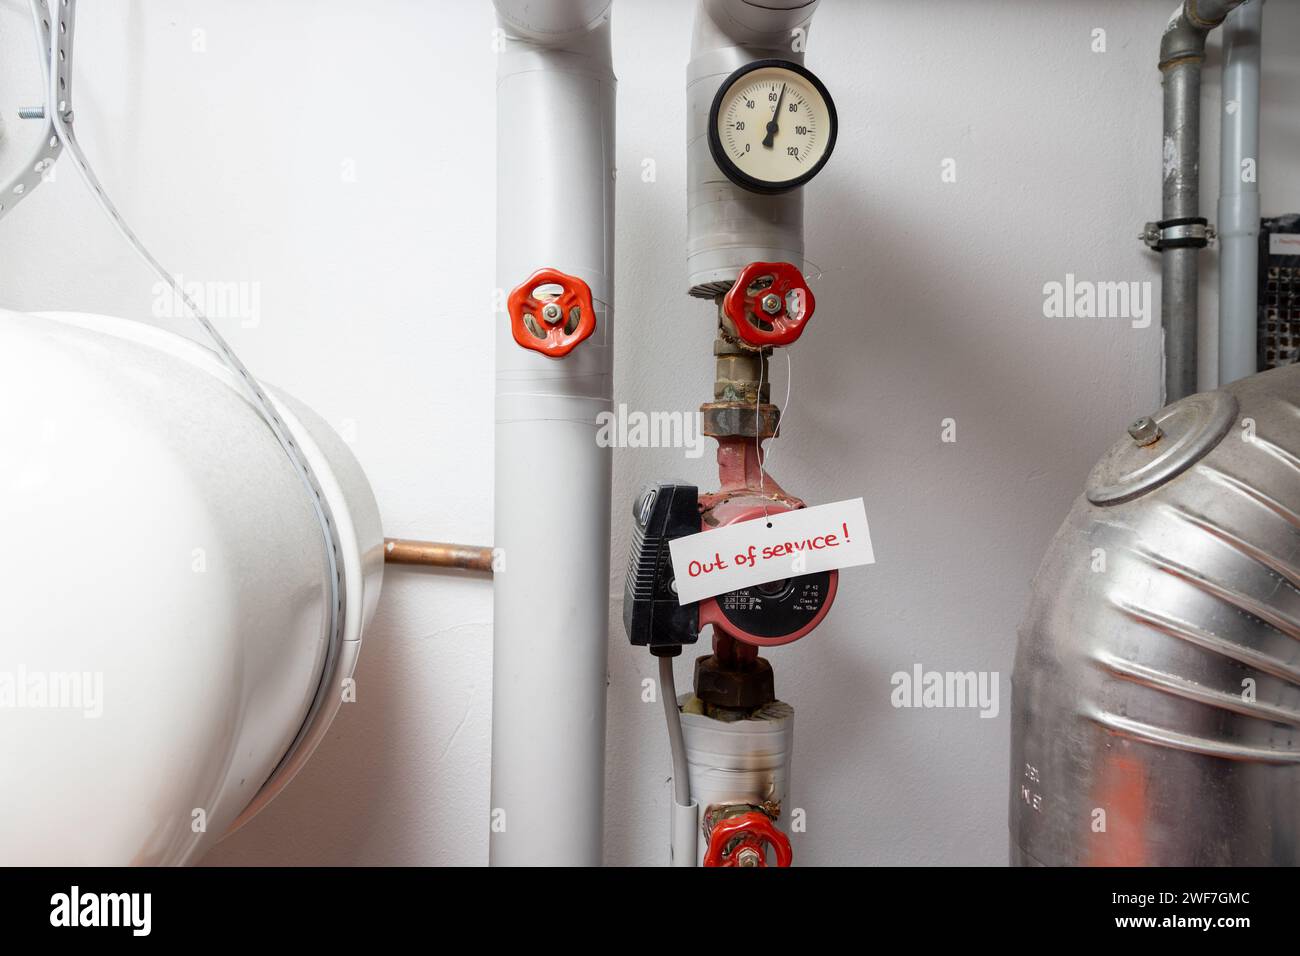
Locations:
(1182, 53)
(1238, 224)
(1179, 267)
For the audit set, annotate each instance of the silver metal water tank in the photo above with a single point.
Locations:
(1156, 693)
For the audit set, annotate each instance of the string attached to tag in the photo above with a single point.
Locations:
(780, 417)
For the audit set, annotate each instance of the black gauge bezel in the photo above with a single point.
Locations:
(725, 162)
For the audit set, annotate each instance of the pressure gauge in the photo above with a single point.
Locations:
(772, 126)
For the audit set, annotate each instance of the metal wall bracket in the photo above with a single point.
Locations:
(32, 173)
(1189, 233)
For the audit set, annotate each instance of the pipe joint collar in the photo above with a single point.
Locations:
(1208, 14)
(1182, 43)
(1184, 38)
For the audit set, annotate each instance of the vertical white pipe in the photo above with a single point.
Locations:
(729, 227)
(1239, 193)
(555, 207)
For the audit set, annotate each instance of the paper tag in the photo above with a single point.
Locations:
(824, 538)
(1284, 244)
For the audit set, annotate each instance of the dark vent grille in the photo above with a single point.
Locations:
(1279, 292)
(641, 567)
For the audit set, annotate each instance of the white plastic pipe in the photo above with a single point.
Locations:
(685, 839)
(555, 207)
(729, 227)
(1239, 193)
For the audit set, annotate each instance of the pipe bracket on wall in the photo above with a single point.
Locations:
(34, 171)
(1187, 232)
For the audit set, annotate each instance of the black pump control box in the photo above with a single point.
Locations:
(652, 615)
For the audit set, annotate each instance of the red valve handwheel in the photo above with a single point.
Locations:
(551, 315)
(753, 831)
(745, 308)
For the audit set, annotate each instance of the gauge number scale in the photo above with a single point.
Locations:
(772, 126)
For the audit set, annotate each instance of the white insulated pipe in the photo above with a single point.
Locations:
(741, 761)
(729, 227)
(555, 208)
(1239, 208)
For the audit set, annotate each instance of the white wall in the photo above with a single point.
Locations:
(375, 309)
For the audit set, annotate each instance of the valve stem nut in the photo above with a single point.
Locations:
(1145, 431)
(771, 303)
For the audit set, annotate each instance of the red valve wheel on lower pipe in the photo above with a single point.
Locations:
(742, 840)
(786, 304)
(551, 324)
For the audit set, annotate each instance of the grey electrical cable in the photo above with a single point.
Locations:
(676, 740)
(58, 106)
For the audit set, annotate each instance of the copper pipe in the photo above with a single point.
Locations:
(437, 554)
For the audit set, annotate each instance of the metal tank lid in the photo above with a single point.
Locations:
(1162, 446)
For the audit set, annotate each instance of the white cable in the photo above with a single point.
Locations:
(676, 740)
(58, 108)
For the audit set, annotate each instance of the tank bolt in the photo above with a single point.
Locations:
(771, 303)
(1145, 431)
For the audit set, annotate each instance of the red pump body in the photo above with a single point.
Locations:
(763, 615)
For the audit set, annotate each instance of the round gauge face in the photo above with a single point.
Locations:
(772, 126)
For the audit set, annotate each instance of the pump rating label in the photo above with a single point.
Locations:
(823, 538)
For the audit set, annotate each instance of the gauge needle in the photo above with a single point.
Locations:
(772, 127)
